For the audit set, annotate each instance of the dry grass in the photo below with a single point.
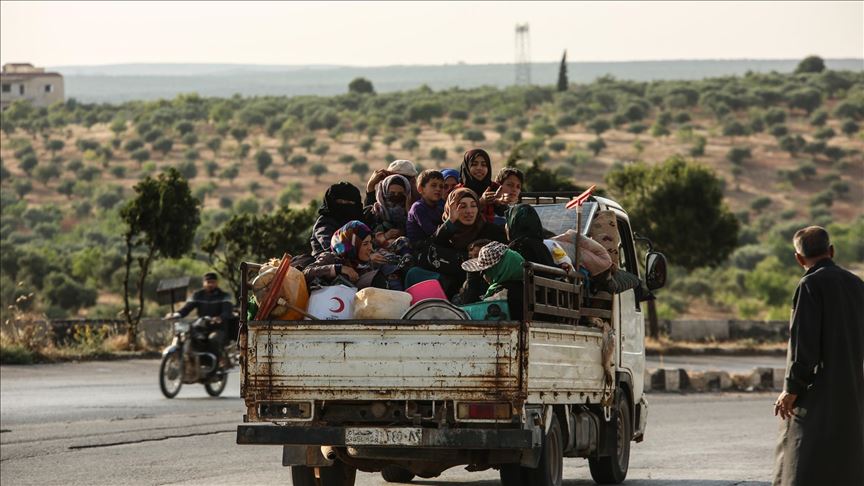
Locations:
(26, 339)
(666, 346)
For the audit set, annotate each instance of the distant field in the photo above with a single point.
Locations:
(788, 147)
(115, 83)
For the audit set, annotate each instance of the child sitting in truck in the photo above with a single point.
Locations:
(474, 287)
(425, 214)
(502, 269)
(506, 188)
(451, 180)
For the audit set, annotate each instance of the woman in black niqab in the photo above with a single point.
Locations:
(341, 204)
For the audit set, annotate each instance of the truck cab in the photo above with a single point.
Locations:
(414, 397)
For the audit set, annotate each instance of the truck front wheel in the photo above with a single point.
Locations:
(339, 474)
(613, 469)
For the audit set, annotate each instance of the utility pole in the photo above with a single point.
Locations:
(523, 54)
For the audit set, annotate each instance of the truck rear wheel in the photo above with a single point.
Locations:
(339, 474)
(613, 469)
(550, 468)
(395, 474)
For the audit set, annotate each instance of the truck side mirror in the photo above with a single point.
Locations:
(655, 270)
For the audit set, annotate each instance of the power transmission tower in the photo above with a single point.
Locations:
(523, 54)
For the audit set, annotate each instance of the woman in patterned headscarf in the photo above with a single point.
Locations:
(349, 257)
(392, 202)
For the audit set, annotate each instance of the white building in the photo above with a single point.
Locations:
(22, 81)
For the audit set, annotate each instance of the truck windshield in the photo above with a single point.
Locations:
(558, 219)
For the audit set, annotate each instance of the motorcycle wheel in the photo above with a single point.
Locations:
(215, 388)
(171, 374)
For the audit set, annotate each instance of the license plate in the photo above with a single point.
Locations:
(392, 436)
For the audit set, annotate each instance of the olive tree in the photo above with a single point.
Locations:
(664, 198)
(160, 223)
(361, 86)
(255, 237)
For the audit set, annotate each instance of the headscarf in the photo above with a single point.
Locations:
(464, 234)
(445, 173)
(478, 186)
(524, 222)
(346, 240)
(385, 210)
(342, 212)
(402, 167)
(509, 269)
(525, 231)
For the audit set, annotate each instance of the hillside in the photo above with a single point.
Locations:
(67, 169)
(124, 82)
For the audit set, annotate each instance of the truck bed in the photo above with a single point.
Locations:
(375, 360)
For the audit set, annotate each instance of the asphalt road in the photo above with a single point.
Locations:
(107, 423)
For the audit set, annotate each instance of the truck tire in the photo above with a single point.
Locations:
(395, 474)
(549, 469)
(514, 475)
(613, 469)
(339, 474)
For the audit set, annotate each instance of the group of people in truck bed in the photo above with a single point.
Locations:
(462, 228)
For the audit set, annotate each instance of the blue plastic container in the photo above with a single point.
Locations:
(487, 310)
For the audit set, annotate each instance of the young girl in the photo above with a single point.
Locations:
(350, 256)
(451, 180)
(495, 197)
(476, 170)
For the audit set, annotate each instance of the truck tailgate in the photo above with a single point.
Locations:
(374, 360)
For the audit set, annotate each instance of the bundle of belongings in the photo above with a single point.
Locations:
(279, 292)
(599, 254)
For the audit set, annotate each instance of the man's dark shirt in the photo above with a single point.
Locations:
(209, 304)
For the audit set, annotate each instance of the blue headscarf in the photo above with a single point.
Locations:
(450, 173)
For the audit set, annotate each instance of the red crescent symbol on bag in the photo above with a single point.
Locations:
(341, 304)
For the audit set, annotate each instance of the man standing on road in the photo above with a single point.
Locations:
(822, 404)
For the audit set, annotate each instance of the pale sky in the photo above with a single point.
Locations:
(385, 33)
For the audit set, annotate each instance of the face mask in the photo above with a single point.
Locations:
(396, 198)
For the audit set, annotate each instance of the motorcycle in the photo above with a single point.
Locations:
(188, 360)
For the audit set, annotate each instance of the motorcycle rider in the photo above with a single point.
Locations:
(210, 301)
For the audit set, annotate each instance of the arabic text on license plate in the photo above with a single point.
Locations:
(369, 436)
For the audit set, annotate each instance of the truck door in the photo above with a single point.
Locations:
(630, 317)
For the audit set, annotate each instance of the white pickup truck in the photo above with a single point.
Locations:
(416, 397)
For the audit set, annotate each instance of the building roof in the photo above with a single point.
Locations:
(14, 76)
